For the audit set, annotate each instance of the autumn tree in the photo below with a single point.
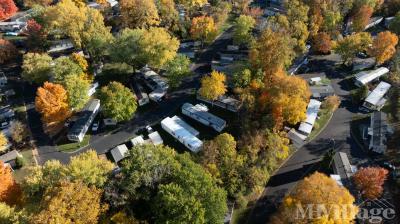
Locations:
(36, 67)
(80, 60)
(7, 9)
(118, 102)
(213, 86)
(19, 131)
(139, 47)
(31, 3)
(177, 69)
(242, 29)
(349, 46)
(10, 191)
(317, 189)
(220, 158)
(331, 103)
(64, 67)
(361, 18)
(3, 142)
(11, 215)
(168, 13)
(7, 51)
(384, 46)
(203, 28)
(71, 202)
(52, 103)
(139, 13)
(36, 36)
(77, 87)
(190, 4)
(322, 43)
(272, 51)
(369, 181)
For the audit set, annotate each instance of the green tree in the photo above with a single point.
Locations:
(349, 46)
(168, 14)
(19, 131)
(118, 102)
(139, 13)
(242, 78)
(64, 67)
(242, 29)
(89, 168)
(394, 25)
(36, 67)
(77, 88)
(177, 69)
(213, 86)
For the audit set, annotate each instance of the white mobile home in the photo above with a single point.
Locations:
(141, 95)
(200, 113)
(181, 134)
(155, 138)
(81, 126)
(375, 100)
(224, 102)
(312, 114)
(185, 125)
(365, 77)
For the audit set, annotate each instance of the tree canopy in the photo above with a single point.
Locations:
(384, 46)
(349, 46)
(36, 67)
(369, 181)
(203, 28)
(7, 51)
(139, 13)
(213, 86)
(7, 9)
(242, 29)
(177, 69)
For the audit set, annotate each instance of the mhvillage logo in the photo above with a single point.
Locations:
(370, 211)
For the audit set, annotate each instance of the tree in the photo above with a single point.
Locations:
(242, 29)
(369, 181)
(77, 88)
(220, 158)
(10, 215)
(3, 142)
(203, 28)
(64, 67)
(71, 203)
(361, 18)
(36, 67)
(190, 4)
(80, 60)
(31, 3)
(322, 43)
(19, 131)
(7, 9)
(213, 86)
(318, 189)
(52, 103)
(7, 51)
(89, 168)
(168, 14)
(171, 186)
(118, 101)
(177, 69)
(331, 103)
(394, 25)
(36, 37)
(272, 51)
(139, 47)
(242, 78)
(139, 13)
(384, 46)
(10, 192)
(349, 46)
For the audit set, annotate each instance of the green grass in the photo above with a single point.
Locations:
(73, 146)
(324, 116)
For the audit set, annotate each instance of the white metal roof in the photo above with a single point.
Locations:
(305, 127)
(118, 153)
(375, 97)
(312, 111)
(182, 134)
(201, 111)
(138, 140)
(185, 125)
(365, 77)
(155, 138)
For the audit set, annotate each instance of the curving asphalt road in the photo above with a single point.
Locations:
(305, 160)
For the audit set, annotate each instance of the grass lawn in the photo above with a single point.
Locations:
(324, 116)
(72, 146)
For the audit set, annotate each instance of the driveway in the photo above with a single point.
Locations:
(102, 143)
(305, 160)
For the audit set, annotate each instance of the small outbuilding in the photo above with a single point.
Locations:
(118, 153)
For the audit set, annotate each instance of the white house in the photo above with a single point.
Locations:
(312, 114)
(376, 99)
(365, 77)
(200, 113)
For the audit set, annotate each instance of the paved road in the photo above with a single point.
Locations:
(102, 143)
(305, 160)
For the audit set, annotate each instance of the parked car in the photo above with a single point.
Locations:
(95, 126)
(4, 124)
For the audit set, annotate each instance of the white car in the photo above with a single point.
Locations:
(95, 126)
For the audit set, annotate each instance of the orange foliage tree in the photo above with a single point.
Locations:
(7, 9)
(322, 43)
(10, 191)
(52, 103)
(370, 181)
(7, 51)
(361, 18)
(384, 46)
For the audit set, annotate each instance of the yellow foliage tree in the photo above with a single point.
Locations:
(203, 28)
(139, 13)
(52, 103)
(213, 86)
(3, 141)
(317, 190)
(384, 46)
(80, 60)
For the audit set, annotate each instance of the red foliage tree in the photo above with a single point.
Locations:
(322, 43)
(7, 51)
(10, 192)
(7, 9)
(370, 181)
(361, 18)
(36, 36)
